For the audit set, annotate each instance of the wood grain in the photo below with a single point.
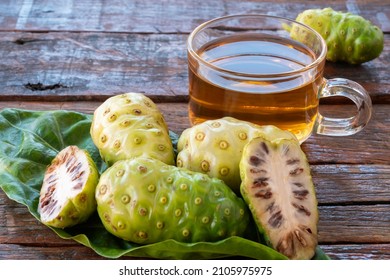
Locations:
(370, 146)
(41, 252)
(356, 223)
(165, 16)
(72, 55)
(342, 184)
(76, 252)
(369, 225)
(357, 251)
(92, 66)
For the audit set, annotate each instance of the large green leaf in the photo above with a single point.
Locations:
(29, 140)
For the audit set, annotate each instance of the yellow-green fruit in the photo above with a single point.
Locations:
(67, 195)
(215, 147)
(349, 37)
(144, 200)
(130, 125)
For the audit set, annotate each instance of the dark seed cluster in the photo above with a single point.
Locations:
(68, 188)
(270, 172)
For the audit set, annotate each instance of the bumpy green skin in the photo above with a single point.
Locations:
(215, 147)
(349, 38)
(79, 208)
(146, 201)
(130, 125)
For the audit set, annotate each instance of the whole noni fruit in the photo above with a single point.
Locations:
(130, 125)
(215, 147)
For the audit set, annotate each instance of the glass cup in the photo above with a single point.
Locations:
(267, 70)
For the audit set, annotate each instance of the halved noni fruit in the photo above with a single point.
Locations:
(278, 188)
(67, 195)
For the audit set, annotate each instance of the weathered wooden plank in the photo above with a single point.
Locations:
(338, 225)
(357, 251)
(21, 252)
(78, 252)
(116, 46)
(356, 223)
(370, 146)
(41, 252)
(351, 184)
(165, 16)
(91, 66)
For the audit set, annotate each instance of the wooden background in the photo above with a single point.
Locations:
(73, 54)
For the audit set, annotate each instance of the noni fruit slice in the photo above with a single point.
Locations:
(130, 125)
(349, 37)
(144, 200)
(277, 186)
(214, 147)
(67, 195)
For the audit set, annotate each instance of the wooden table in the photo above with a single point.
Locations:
(75, 54)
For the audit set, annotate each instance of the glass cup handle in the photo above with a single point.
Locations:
(344, 126)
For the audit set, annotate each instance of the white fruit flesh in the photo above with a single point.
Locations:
(63, 197)
(278, 188)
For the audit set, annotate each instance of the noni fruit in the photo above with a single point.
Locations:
(67, 195)
(144, 200)
(349, 37)
(130, 125)
(278, 188)
(214, 147)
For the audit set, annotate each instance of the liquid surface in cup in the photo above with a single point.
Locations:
(290, 103)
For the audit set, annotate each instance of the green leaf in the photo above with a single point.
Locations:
(29, 140)
(320, 255)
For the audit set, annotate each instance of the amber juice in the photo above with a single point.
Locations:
(256, 82)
